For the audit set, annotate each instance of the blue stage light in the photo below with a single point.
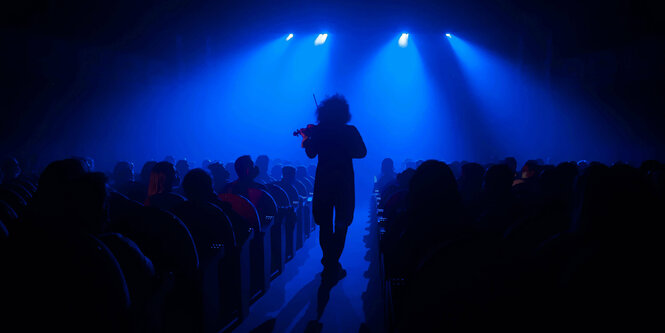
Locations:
(289, 36)
(449, 35)
(321, 39)
(403, 40)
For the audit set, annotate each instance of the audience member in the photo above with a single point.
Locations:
(387, 174)
(247, 172)
(262, 163)
(163, 178)
(220, 176)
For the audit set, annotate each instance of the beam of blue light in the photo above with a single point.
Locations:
(403, 40)
(526, 114)
(397, 107)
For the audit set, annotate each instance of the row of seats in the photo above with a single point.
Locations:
(211, 266)
(558, 246)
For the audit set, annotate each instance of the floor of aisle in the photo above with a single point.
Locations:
(351, 305)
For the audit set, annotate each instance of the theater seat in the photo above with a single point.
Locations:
(259, 245)
(291, 216)
(278, 242)
(8, 215)
(14, 200)
(166, 240)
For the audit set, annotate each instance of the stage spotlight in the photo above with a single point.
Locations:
(321, 39)
(289, 36)
(403, 40)
(449, 36)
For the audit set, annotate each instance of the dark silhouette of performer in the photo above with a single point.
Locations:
(336, 144)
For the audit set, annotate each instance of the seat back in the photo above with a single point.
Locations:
(161, 236)
(265, 205)
(244, 208)
(166, 201)
(292, 192)
(20, 190)
(13, 199)
(7, 213)
(208, 225)
(301, 188)
(308, 184)
(280, 196)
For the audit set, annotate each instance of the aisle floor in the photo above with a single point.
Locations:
(291, 303)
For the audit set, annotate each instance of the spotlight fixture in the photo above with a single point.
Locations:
(403, 40)
(289, 36)
(321, 39)
(448, 35)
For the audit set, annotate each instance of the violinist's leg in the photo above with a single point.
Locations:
(322, 209)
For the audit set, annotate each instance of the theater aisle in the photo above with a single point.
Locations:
(292, 301)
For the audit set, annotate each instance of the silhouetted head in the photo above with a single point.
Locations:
(146, 170)
(530, 169)
(219, 173)
(162, 178)
(511, 162)
(333, 110)
(289, 174)
(387, 166)
(262, 163)
(182, 167)
(88, 203)
(230, 168)
(87, 162)
(57, 175)
(197, 184)
(54, 193)
(10, 169)
(472, 173)
(245, 168)
(433, 191)
(205, 164)
(276, 171)
(169, 159)
(498, 179)
(123, 172)
(301, 172)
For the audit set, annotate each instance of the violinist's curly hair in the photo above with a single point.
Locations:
(333, 110)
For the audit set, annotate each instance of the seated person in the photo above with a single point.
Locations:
(139, 192)
(387, 174)
(262, 163)
(123, 177)
(220, 176)
(276, 172)
(247, 172)
(288, 176)
(160, 190)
